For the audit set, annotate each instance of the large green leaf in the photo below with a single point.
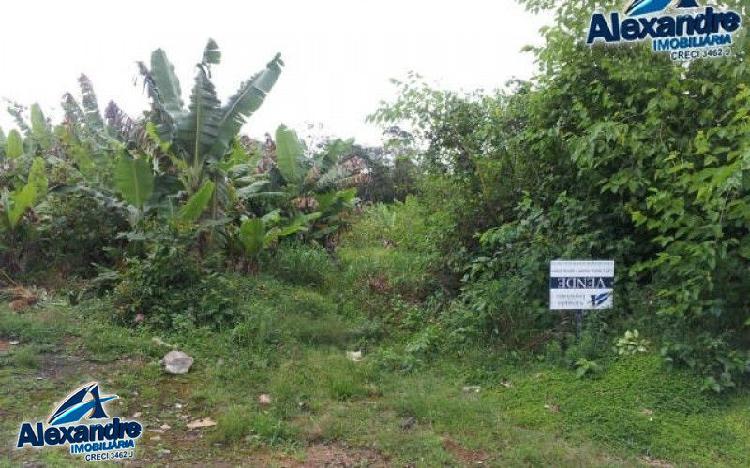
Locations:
(242, 104)
(90, 104)
(197, 204)
(73, 112)
(40, 129)
(20, 201)
(289, 149)
(14, 144)
(167, 83)
(38, 178)
(252, 234)
(134, 180)
(197, 131)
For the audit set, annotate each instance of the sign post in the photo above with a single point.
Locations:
(581, 285)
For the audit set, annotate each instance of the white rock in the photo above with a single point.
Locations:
(177, 362)
(201, 423)
(355, 356)
(264, 399)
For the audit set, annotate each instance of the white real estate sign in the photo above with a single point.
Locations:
(581, 284)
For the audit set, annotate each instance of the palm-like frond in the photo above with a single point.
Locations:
(166, 84)
(197, 131)
(73, 112)
(90, 104)
(244, 103)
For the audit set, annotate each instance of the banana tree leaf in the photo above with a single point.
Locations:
(252, 235)
(254, 186)
(90, 105)
(197, 131)
(333, 177)
(196, 204)
(244, 103)
(40, 129)
(38, 178)
(14, 144)
(289, 149)
(325, 200)
(167, 83)
(265, 195)
(20, 201)
(272, 217)
(134, 180)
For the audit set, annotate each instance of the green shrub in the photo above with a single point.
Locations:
(171, 289)
(77, 232)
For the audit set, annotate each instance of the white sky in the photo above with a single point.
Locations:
(339, 54)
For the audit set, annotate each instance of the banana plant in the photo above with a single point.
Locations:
(134, 180)
(199, 137)
(17, 202)
(255, 234)
(312, 185)
(14, 145)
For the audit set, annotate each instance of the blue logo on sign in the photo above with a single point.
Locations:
(102, 438)
(75, 408)
(599, 299)
(687, 33)
(644, 7)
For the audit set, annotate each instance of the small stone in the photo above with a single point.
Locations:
(506, 384)
(165, 427)
(178, 405)
(264, 399)
(472, 389)
(177, 362)
(13, 342)
(137, 414)
(156, 437)
(139, 318)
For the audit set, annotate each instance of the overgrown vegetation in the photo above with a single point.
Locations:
(396, 297)
(610, 153)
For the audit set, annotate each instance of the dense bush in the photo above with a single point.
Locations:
(76, 233)
(611, 152)
(171, 289)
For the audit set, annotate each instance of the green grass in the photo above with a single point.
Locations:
(634, 409)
